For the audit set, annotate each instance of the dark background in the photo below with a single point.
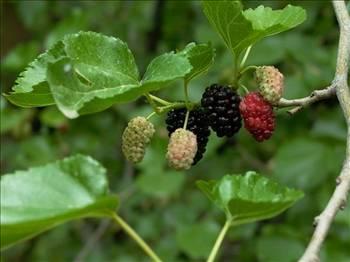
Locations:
(164, 206)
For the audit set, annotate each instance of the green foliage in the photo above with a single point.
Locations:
(306, 155)
(240, 29)
(161, 185)
(88, 72)
(201, 57)
(197, 240)
(36, 200)
(32, 137)
(249, 198)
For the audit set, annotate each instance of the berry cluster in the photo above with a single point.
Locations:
(197, 123)
(221, 109)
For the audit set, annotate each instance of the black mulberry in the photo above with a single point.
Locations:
(222, 106)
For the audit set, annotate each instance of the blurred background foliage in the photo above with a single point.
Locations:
(164, 206)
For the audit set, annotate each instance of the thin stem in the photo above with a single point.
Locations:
(159, 100)
(245, 56)
(186, 93)
(152, 103)
(136, 237)
(236, 73)
(244, 70)
(246, 91)
(218, 241)
(150, 115)
(175, 105)
(186, 118)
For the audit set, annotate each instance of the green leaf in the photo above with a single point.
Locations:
(13, 119)
(40, 95)
(239, 29)
(88, 72)
(96, 67)
(197, 240)
(297, 163)
(161, 185)
(272, 248)
(20, 56)
(164, 69)
(31, 88)
(201, 57)
(52, 117)
(40, 198)
(35, 73)
(249, 198)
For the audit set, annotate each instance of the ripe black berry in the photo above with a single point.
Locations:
(197, 123)
(222, 106)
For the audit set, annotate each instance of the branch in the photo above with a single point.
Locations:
(315, 96)
(340, 195)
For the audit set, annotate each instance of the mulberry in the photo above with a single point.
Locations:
(136, 136)
(222, 106)
(270, 83)
(258, 116)
(182, 149)
(197, 123)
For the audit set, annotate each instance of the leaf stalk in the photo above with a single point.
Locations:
(131, 232)
(218, 241)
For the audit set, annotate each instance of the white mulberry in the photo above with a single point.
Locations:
(182, 149)
(136, 136)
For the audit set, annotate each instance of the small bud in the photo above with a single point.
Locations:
(270, 83)
(136, 136)
(182, 149)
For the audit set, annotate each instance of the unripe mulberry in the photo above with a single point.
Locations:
(182, 149)
(270, 83)
(221, 103)
(136, 136)
(258, 116)
(197, 123)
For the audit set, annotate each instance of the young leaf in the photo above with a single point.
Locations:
(35, 73)
(249, 198)
(164, 69)
(96, 66)
(239, 29)
(40, 198)
(88, 72)
(201, 57)
(31, 88)
(40, 95)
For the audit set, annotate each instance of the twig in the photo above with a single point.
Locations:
(131, 232)
(104, 224)
(94, 238)
(315, 96)
(218, 241)
(338, 200)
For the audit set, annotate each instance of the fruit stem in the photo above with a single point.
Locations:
(159, 100)
(150, 115)
(236, 74)
(131, 232)
(186, 118)
(244, 59)
(152, 103)
(244, 88)
(218, 241)
(186, 94)
(247, 68)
